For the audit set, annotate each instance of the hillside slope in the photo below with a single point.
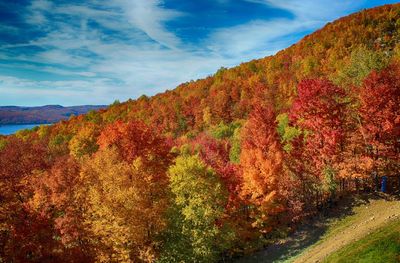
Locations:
(380, 246)
(344, 51)
(315, 241)
(367, 218)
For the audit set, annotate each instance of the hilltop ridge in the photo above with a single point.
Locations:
(42, 114)
(368, 38)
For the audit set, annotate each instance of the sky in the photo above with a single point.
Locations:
(95, 52)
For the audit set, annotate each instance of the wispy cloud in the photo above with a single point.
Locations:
(256, 38)
(106, 50)
(315, 10)
(264, 37)
(73, 91)
(36, 14)
(149, 16)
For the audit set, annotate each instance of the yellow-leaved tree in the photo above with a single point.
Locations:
(125, 190)
(196, 232)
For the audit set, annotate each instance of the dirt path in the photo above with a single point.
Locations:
(313, 242)
(368, 218)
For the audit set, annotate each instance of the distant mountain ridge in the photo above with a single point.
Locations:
(42, 114)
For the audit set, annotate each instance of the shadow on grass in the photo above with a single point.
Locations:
(310, 231)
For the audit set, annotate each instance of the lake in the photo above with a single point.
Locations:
(8, 129)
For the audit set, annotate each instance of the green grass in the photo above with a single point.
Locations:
(383, 246)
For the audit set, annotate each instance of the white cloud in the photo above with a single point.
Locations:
(41, 5)
(137, 66)
(47, 92)
(265, 37)
(315, 10)
(36, 15)
(149, 16)
(141, 56)
(255, 39)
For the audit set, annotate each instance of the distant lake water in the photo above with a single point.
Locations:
(8, 129)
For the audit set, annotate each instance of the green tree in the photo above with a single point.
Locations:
(286, 132)
(362, 62)
(234, 153)
(223, 130)
(197, 232)
(3, 143)
(85, 141)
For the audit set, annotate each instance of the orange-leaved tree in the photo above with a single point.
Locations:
(263, 170)
(126, 192)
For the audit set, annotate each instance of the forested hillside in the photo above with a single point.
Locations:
(217, 167)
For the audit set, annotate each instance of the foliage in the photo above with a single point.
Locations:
(3, 143)
(286, 132)
(84, 142)
(234, 154)
(319, 112)
(362, 62)
(223, 130)
(126, 203)
(260, 146)
(264, 176)
(380, 112)
(199, 199)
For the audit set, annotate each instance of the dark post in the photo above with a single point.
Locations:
(376, 180)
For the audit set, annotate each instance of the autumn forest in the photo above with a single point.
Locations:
(218, 167)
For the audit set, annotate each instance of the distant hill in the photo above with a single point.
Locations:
(42, 114)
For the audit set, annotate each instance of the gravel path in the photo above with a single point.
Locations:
(315, 240)
(368, 219)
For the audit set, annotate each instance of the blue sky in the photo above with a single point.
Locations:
(94, 52)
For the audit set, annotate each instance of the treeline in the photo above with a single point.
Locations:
(215, 168)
